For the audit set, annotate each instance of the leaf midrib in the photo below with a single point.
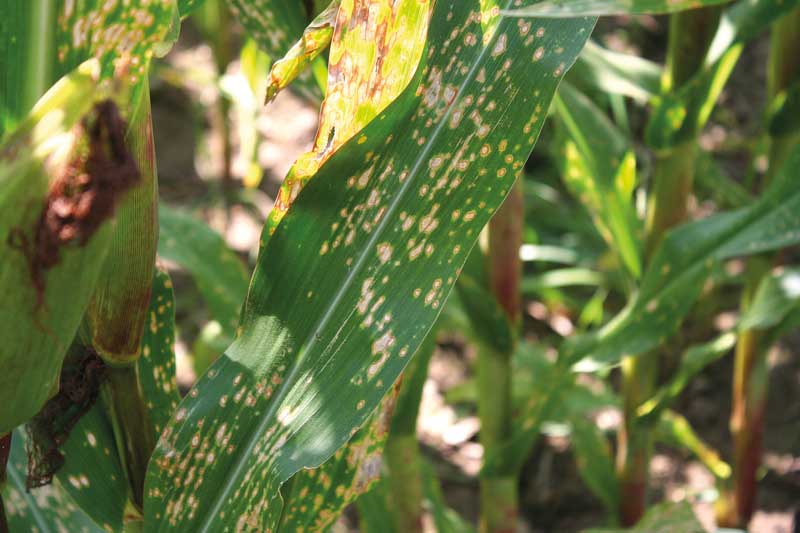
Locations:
(236, 471)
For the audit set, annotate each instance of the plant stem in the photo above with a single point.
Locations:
(5, 451)
(401, 453)
(499, 505)
(690, 34)
(751, 375)
(123, 399)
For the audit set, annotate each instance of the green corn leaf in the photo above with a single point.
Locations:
(783, 113)
(663, 518)
(776, 296)
(710, 178)
(287, 393)
(563, 277)
(185, 7)
(578, 8)
(682, 264)
(693, 362)
(675, 430)
(218, 272)
(488, 322)
(600, 169)
(47, 509)
(595, 462)
(26, 53)
(616, 73)
(92, 473)
(679, 115)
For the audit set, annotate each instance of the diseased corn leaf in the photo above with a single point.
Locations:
(275, 25)
(382, 229)
(679, 115)
(616, 73)
(318, 496)
(595, 462)
(47, 509)
(316, 38)
(157, 363)
(219, 274)
(121, 34)
(374, 53)
(693, 362)
(675, 430)
(683, 263)
(92, 473)
(600, 170)
(117, 310)
(578, 8)
(663, 518)
(43, 306)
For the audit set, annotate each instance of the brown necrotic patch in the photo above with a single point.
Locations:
(83, 196)
(78, 390)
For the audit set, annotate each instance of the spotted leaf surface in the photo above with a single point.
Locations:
(276, 25)
(316, 38)
(92, 473)
(375, 51)
(121, 34)
(47, 509)
(318, 496)
(382, 230)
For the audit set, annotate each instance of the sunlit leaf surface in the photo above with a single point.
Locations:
(383, 233)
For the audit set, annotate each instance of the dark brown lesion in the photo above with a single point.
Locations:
(79, 388)
(83, 197)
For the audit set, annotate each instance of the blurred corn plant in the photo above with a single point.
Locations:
(589, 258)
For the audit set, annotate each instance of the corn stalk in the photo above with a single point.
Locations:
(751, 374)
(690, 34)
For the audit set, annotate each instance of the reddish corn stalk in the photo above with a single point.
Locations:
(499, 506)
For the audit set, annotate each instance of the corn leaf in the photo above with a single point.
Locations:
(616, 73)
(219, 274)
(312, 362)
(600, 170)
(47, 509)
(675, 430)
(91, 449)
(683, 263)
(595, 462)
(663, 518)
(679, 115)
(43, 306)
(693, 362)
(577, 8)
(776, 296)
(275, 25)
